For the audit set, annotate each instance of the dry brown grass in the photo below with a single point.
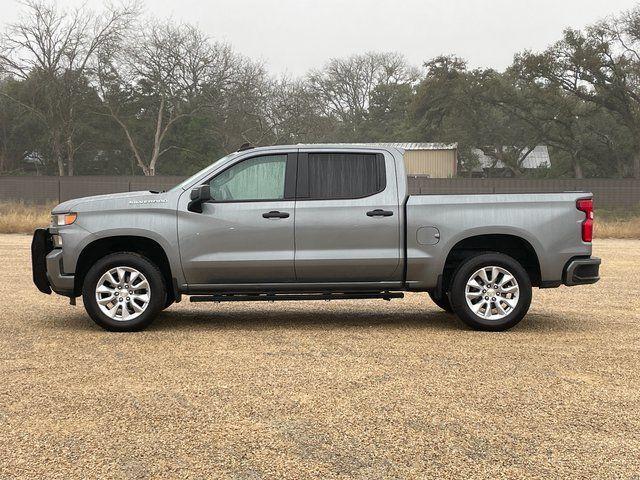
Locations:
(23, 218)
(618, 228)
(16, 217)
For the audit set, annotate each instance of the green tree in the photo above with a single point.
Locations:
(387, 116)
(600, 65)
(478, 109)
(21, 134)
(54, 51)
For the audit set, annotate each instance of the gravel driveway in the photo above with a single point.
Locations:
(365, 389)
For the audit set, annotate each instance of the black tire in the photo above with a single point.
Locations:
(443, 302)
(168, 302)
(457, 295)
(157, 289)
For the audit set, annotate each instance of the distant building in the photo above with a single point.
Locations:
(432, 160)
(538, 158)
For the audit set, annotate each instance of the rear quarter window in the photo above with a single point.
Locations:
(345, 175)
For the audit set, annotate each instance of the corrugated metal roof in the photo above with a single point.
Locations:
(410, 146)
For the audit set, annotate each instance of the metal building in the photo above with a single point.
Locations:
(433, 160)
(429, 160)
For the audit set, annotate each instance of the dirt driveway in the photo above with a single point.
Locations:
(327, 390)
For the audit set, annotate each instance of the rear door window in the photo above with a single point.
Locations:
(342, 175)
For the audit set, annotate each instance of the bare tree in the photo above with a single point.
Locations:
(238, 104)
(345, 85)
(294, 113)
(156, 79)
(58, 51)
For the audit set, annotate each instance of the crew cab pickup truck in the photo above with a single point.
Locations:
(312, 222)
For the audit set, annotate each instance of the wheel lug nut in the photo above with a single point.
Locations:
(130, 292)
(486, 298)
(484, 291)
(127, 299)
(493, 299)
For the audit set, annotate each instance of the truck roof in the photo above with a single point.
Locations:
(335, 146)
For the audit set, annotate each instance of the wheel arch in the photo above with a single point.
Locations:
(511, 244)
(142, 245)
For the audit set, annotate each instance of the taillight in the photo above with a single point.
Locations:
(586, 205)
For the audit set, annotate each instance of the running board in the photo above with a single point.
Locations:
(273, 297)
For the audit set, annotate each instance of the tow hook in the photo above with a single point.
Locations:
(72, 301)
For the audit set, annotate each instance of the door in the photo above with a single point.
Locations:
(245, 233)
(347, 218)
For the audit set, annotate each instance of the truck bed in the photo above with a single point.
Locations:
(549, 222)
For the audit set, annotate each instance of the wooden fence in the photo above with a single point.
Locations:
(609, 193)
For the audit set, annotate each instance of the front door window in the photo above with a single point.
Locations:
(259, 178)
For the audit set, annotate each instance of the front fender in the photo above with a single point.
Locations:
(145, 215)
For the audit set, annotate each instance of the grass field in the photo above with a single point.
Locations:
(18, 217)
(326, 390)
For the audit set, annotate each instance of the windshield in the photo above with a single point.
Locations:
(186, 182)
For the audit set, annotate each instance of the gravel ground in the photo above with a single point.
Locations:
(327, 390)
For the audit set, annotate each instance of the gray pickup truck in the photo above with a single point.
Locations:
(312, 222)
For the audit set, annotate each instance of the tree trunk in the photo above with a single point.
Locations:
(577, 169)
(157, 140)
(70, 157)
(132, 143)
(57, 153)
(60, 165)
(636, 165)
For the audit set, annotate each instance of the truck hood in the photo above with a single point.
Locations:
(112, 200)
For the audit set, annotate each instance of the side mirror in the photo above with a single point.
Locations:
(198, 196)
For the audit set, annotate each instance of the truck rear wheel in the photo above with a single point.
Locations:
(491, 292)
(123, 292)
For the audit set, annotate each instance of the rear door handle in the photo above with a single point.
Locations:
(275, 214)
(379, 213)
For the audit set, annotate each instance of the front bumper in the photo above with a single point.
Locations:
(582, 271)
(46, 263)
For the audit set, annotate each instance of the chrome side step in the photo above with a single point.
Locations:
(274, 297)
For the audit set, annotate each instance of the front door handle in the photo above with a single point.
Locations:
(379, 213)
(275, 214)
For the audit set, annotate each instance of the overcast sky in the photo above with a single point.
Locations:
(292, 36)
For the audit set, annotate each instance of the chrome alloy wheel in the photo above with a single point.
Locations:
(492, 293)
(123, 293)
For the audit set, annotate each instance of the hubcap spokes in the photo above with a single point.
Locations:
(123, 293)
(492, 293)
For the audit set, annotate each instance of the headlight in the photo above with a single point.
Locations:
(63, 219)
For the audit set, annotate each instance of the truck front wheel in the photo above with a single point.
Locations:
(491, 292)
(123, 292)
